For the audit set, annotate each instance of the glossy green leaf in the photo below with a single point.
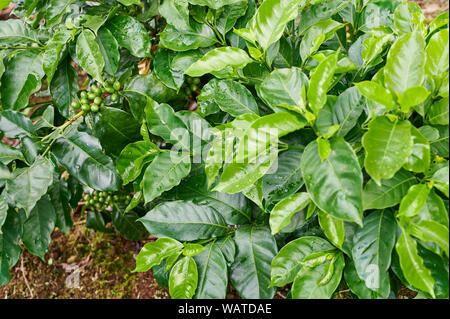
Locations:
(389, 193)
(22, 78)
(133, 158)
(38, 227)
(213, 4)
(89, 55)
(234, 98)
(64, 87)
(250, 273)
(3, 211)
(335, 184)
(413, 202)
(376, 92)
(319, 282)
(319, 85)
(372, 249)
(176, 13)
(16, 125)
(283, 212)
(412, 97)
(9, 154)
(287, 179)
(419, 161)
(54, 52)
(320, 11)
(110, 50)
(239, 176)
(162, 121)
(387, 146)
(286, 264)
(266, 131)
(29, 184)
(9, 245)
(441, 180)
(212, 273)
(333, 228)
(131, 35)
(316, 35)
(15, 31)
(439, 112)
(166, 171)
(283, 87)
(345, 112)
(184, 221)
(201, 36)
(405, 63)
(115, 129)
(428, 230)
(412, 264)
(356, 285)
(183, 279)
(217, 60)
(271, 19)
(154, 253)
(82, 156)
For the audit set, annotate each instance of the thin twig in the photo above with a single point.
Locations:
(25, 277)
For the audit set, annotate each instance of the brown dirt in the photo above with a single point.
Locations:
(105, 263)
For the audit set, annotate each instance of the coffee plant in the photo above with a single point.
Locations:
(301, 144)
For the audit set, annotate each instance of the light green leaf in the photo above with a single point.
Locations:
(335, 185)
(412, 203)
(217, 60)
(321, 80)
(419, 161)
(387, 146)
(405, 63)
(176, 13)
(439, 112)
(376, 92)
(15, 31)
(271, 19)
(234, 98)
(283, 212)
(333, 228)
(319, 282)
(183, 279)
(412, 264)
(152, 254)
(429, 230)
(412, 97)
(201, 36)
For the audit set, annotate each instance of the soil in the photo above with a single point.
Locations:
(105, 261)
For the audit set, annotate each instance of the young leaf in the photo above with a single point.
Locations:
(333, 228)
(321, 80)
(217, 60)
(183, 279)
(271, 19)
(154, 253)
(283, 212)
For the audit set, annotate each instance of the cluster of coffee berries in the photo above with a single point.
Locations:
(92, 100)
(102, 200)
(192, 86)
